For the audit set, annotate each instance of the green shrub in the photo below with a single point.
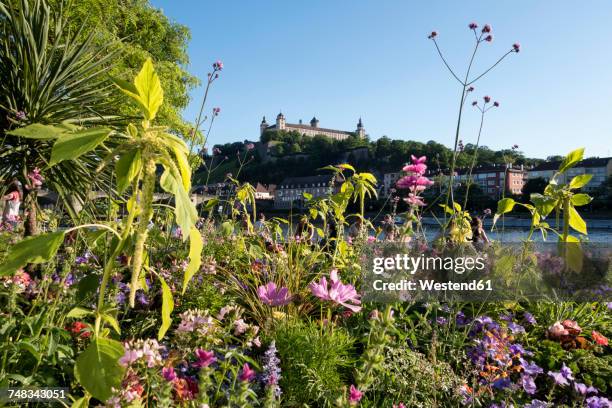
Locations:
(315, 362)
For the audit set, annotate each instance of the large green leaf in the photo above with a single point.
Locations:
(98, 370)
(149, 88)
(38, 249)
(128, 166)
(167, 308)
(581, 199)
(544, 204)
(195, 259)
(72, 145)
(184, 211)
(571, 159)
(38, 131)
(505, 205)
(576, 221)
(573, 253)
(580, 181)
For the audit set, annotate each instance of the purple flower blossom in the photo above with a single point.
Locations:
(528, 317)
(598, 402)
(21, 115)
(273, 296)
(169, 374)
(528, 384)
(582, 389)
(516, 328)
(441, 321)
(272, 370)
(537, 404)
(530, 368)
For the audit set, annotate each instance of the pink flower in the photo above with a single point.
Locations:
(572, 327)
(400, 405)
(218, 65)
(204, 358)
(599, 338)
(250, 146)
(337, 292)
(35, 178)
(371, 239)
(557, 331)
(487, 28)
(415, 168)
(247, 373)
(354, 395)
(516, 47)
(129, 356)
(414, 183)
(487, 99)
(433, 35)
(273, 296)
(414, 199)
(489, 38)
(473, 25)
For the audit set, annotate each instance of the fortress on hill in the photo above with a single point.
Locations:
(309, 130)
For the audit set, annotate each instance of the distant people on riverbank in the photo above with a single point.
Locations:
(478, 233)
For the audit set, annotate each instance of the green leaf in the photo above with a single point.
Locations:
(574, 255)
(576, 221)
(112, 321)
(72, 145)
(571, 159)
(505, 205)
(79, 313)
(127, 168)
(184, 211)
(38, 249)
(195, 259)
(580, 181)
(38, 131)
(544, 204)
(581, 199)
(98, 370)
(227, 228)
(82, 402)
(184, 167)
(149, 89)
(167, 308)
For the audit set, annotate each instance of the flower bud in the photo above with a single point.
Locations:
(487, 28)
(489, 38)
(487, 98)
(433, 35)
(516, 47)
(473, 25)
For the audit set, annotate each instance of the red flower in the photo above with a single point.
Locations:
(79, 329)
(599, 338)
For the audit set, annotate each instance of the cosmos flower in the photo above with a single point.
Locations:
(273, 296)
(337, 292)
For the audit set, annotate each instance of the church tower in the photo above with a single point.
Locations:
(360, 130)
(280, 121)
(263, 126)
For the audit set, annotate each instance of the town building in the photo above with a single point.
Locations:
(309, 130)
(389, 183)
(600, 168)
(290, 193)
(263, 192)
(496, 180)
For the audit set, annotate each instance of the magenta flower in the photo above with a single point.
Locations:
(487, 28)
(204, 358)
(354, 395)
(516, 47)
(414, 183)
(169, 374)
(414, 199)
(337, 292)
(273, 296)
(433, 35)
(473, 25)
(247, 373)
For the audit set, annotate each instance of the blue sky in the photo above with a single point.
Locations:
(343, 59)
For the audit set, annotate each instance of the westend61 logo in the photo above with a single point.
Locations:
(395, 272)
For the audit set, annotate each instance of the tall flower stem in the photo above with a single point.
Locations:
(474, 159)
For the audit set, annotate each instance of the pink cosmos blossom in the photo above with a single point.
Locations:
(354, 395)
(204, 358)
(273, 296)
(337, 292)
(247, 373)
